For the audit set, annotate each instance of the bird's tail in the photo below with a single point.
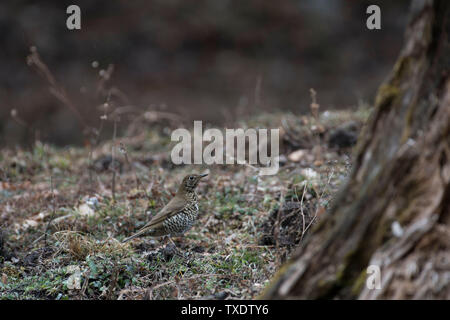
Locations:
(137, 234)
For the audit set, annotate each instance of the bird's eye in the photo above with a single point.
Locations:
(191, 178)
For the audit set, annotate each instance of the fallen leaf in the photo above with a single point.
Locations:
(74, 281)
(29, 223)
(85, 210)
(299, 155)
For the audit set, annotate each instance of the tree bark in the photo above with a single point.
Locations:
(394, 211)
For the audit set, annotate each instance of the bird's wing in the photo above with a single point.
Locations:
(172, 208)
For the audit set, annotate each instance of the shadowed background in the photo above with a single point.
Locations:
(205, 60)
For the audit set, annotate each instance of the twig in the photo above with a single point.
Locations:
(113, 282)
(139, 184)
(34, 60)
(277, 224)
(53, 212)
(314, 105)
(15, 116)
(320, 198)
(85, 283)
(97, 138)
(113, 166)
(301, 210)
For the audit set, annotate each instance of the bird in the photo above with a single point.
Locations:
(178, 215)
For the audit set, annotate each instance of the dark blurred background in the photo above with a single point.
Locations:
(205, 60)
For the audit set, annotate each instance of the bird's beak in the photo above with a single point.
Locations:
(203, 175)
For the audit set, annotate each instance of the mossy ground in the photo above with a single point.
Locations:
(61, 226)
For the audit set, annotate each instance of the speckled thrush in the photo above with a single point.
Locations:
(178, 215)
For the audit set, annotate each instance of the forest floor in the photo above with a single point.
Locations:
(62, 223)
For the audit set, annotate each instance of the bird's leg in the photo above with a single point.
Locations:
(165, 242)
(179, 253)
(170, 239)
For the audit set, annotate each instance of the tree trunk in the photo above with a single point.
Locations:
(394, 211)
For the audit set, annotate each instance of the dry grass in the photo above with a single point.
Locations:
(243, 234)
(63, 211)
